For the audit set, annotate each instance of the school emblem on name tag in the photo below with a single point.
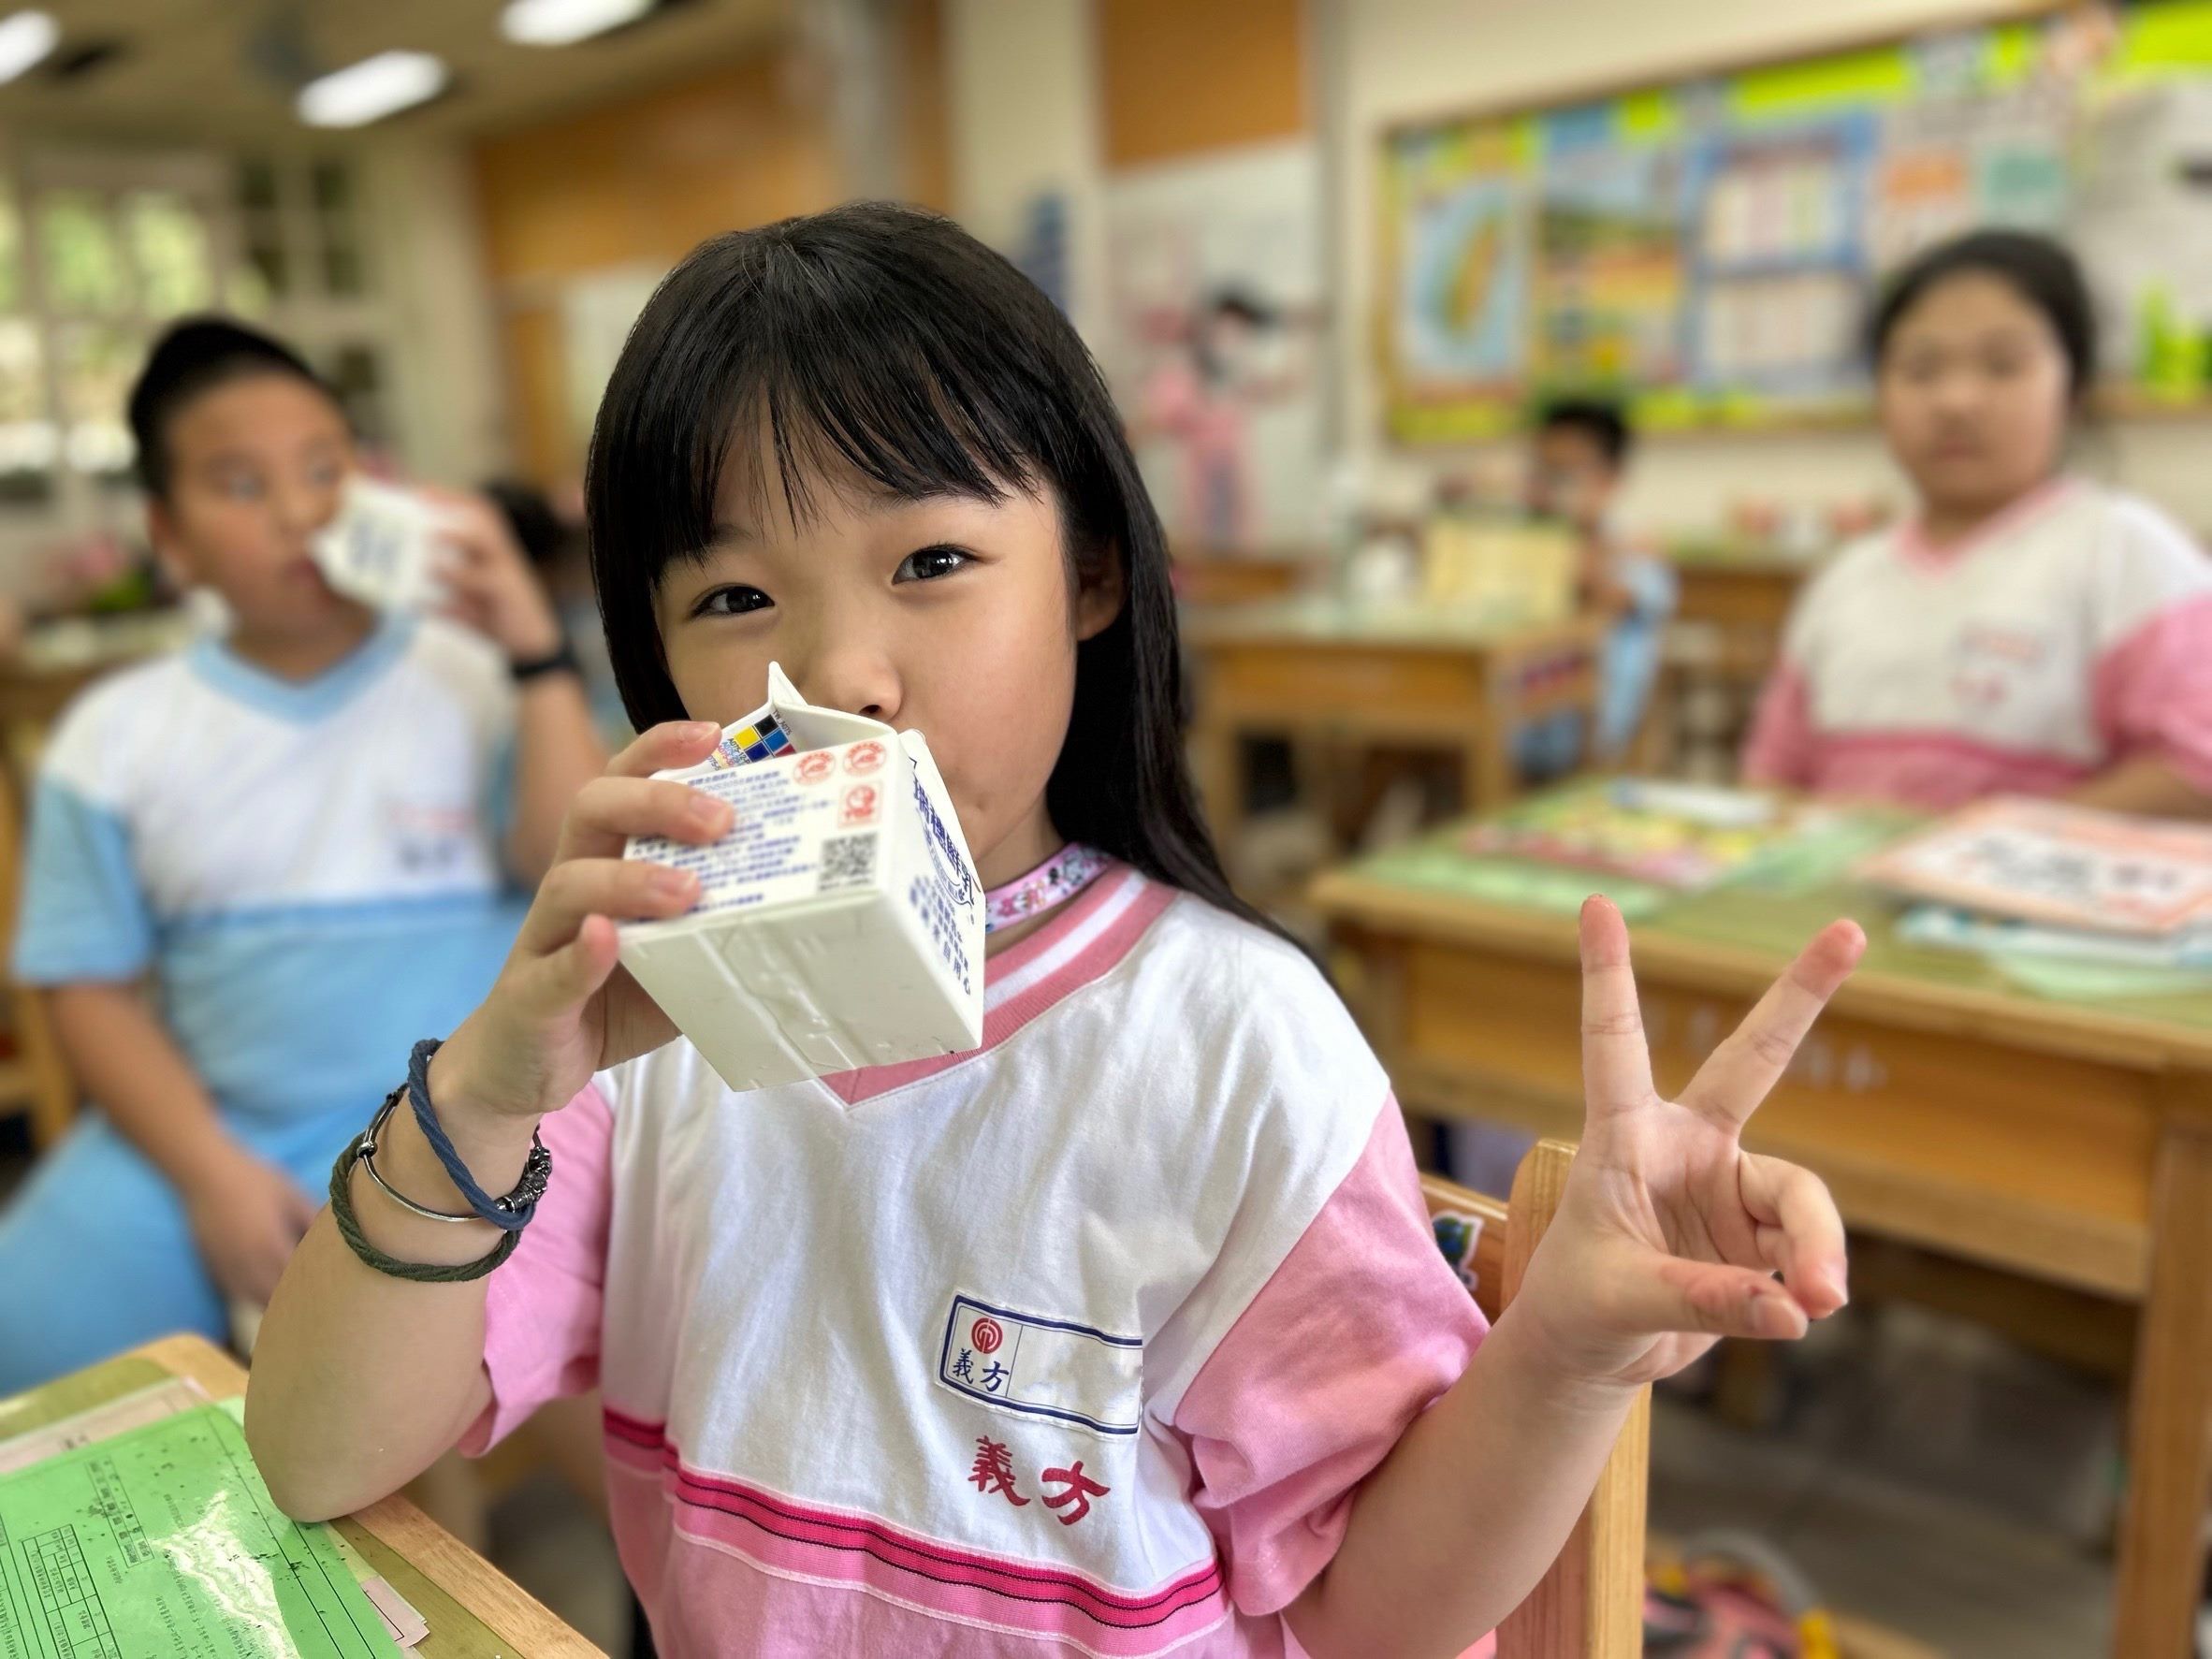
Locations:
(1040, 1367)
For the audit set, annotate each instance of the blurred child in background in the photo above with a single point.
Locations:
(301, 831)
(1578, 462)
(2026, 632)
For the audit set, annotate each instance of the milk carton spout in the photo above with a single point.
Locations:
(811, 727)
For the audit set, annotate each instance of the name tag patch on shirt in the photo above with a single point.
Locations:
(1040, 1367)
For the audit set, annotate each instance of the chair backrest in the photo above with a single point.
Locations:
(37, 1079)
(1591, 1604)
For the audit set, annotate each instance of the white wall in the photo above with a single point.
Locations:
(1023, 97)
(447, 399)
(1404, 58)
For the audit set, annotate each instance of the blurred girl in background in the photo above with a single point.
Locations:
(2023, 632)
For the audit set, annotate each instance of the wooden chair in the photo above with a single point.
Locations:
(35, 1079)
(1591, 1604)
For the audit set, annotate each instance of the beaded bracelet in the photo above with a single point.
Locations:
(349, 1228)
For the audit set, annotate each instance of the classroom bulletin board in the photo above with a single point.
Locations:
(1706, 249)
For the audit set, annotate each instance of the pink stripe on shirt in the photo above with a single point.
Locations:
(1934, 770)
(848, 1550)
(1780, 749)
(2152, 694)
(1096, 931)
(2153, 691)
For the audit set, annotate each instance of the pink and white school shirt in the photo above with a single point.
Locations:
(2073, 632)
(1079, 1343)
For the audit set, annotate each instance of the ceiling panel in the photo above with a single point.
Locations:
(215, 68)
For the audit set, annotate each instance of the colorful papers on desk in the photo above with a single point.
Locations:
(2189, 950)
(160, 1541)
(2068, 963)
(2056, 866)
(128, 1411)
(1550, 853)
(1682, 837)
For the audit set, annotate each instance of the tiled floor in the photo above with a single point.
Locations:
(1925, 1476)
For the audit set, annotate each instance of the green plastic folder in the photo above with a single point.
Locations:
(164, 1542)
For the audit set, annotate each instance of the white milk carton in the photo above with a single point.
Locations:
(839, 923)
(384, 548)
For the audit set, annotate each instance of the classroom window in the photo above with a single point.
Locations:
(98, 251)
(84, 266)
(29, 440)
(97, 362)
(168, 239)
(11, 256)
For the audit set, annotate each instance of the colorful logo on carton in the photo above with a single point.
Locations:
(764, 739)
(864, 758)
(859, 806)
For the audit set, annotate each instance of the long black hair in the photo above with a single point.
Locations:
(2040, 271)
(888, 344)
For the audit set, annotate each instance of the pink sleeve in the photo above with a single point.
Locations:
(1362, 1327)
(541, 1308)
(2153, 689)
(1780, 748)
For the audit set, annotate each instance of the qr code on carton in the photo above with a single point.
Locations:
(848, 861)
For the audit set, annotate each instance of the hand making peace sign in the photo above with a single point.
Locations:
(1669, 1234)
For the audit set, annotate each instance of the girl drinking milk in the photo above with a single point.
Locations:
(862, 445)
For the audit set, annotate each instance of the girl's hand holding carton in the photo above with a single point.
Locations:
(794, 893)
(840, 923)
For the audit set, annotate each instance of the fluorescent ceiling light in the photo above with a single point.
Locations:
(371, 89)
(25, 38)
(563, 22)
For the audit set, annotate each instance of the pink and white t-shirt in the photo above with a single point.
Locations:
(2073, 632)
(1079, 1342)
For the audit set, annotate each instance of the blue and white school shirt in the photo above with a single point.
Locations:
(310, 870)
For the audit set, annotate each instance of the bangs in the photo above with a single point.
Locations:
(845, 371)
(896, 428)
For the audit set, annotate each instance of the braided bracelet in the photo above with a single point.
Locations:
(349, 1228)
(510, 1213)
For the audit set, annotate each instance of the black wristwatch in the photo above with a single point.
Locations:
(561, 660)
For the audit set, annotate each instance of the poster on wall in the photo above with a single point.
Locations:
(1609, 282)
(1213, 342)
(1705, 250)
(1949, 164)
(1461, 318)
(1779, 260)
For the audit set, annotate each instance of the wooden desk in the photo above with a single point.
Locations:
(474, 1611)
(1748, 593)
(1945, 1108)
(1404, 675)
(1205, 577)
